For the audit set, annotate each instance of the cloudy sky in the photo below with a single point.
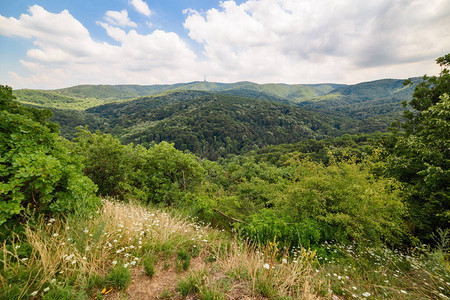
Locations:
(60, 43)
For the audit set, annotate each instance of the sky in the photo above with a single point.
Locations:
(49, 44)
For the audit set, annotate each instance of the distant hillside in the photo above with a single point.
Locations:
(215, 119)
(209, 124)
(85, 96)
(379, 99)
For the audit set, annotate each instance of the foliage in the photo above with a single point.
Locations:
(36, 170)
(213, 125)
(149, 264)
(342, 202)
(159, 174)
(419, 156)
(119, 277)
(376, 103)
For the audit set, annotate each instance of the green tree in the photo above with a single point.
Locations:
(160, 174)
(36, 170)
(420, 154)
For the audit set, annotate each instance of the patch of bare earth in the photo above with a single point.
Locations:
(164, 282)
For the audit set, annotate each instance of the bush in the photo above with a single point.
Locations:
(161, 174)
(36, 170)
(345, 202)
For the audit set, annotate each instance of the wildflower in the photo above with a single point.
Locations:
(55, 234)
(404, 292)
(25, 259)
(284, 260)
(126, 265)
(46, 289)
(17, 247)
(34, 293)
(86, 231)
(88, 248)
(366, 294)
(266, 266)
(52, 220)
(114, 262)
(84, 258)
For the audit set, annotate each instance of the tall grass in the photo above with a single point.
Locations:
(84, 256)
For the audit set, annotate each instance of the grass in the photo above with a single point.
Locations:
(83, 256)
(149, 265)
(119, 277)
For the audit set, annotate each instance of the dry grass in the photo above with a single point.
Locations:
(71, 253)
(79, 248)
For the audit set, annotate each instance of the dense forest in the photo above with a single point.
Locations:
(312, 182)
(214, 120)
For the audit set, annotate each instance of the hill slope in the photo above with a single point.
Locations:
(379, 99)
(85, 96)
(212, 124)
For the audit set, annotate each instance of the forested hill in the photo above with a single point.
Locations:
(85, 96)
(212, 124)
(379, 99)
(216, 119)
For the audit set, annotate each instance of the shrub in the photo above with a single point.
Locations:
(36, 169)
(161, 174)
(345, 202)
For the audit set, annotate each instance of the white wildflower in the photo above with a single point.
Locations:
(266, 266)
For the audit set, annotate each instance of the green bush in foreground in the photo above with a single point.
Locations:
(36, 170)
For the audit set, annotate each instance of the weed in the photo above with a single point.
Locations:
(119, 277)
(184, 257)
(149, 264)
(166, 294)
(191, 284)
(210, 294)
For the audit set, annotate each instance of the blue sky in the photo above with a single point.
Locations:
(59, 43)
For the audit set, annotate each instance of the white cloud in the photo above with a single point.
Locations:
(119, 18)
(65, 54)
(141, 7)
(289, 41)
(319, 40)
